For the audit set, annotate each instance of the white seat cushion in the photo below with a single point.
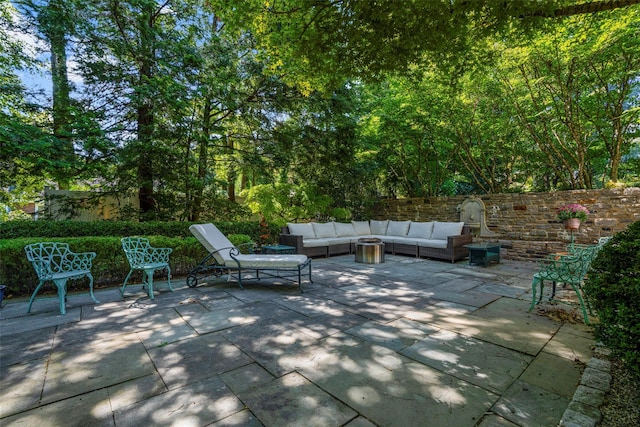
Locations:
(315, 243)
(340, 240)
(432, 243)
(267, 261)
(398, 239)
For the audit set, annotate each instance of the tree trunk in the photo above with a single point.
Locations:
(54, 21)
(231, 173)
(145, 114)
(203, 155)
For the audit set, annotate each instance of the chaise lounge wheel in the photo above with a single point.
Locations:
(192, 281)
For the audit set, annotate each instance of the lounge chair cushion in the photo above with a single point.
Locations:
(266, 261)
(213, 241)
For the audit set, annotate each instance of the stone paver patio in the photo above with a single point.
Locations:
(410, 342)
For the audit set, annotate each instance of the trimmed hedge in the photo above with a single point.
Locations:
(110, 265)
(55, 229)
(103, 237)
(613, 288)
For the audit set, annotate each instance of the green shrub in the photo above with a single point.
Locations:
(55, 229)
(109, 267)
(103, 237)
(613, 288)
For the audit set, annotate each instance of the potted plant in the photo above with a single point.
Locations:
(572, 215)
(265, 233)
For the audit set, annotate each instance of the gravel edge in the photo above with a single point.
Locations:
(595, 401)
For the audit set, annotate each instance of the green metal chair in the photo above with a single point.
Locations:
(568, 269)
(53, 261)
(143, 257)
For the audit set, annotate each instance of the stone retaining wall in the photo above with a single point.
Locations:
(526, 224)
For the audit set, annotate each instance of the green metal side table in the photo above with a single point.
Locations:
(483, 253)
(278, 249)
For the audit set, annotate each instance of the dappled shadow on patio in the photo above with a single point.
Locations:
(402, 343)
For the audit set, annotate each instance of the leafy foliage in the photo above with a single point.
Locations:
(572, 210)
(189, 105)
(319, 44)
(280, 202)
(64, 229)
(110, 265)
(613, 287)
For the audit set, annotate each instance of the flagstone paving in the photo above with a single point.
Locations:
(410, 342)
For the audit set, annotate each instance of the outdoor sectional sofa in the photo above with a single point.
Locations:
(434, 239)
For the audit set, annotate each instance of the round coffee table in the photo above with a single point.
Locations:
(370, 251)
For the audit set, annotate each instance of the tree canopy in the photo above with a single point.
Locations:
(317, 44)
(209, 109)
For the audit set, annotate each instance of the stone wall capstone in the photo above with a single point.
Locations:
(526, 224)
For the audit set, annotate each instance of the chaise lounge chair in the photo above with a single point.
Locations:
(225, 258)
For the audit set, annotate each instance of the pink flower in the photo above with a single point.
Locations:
(572, 210)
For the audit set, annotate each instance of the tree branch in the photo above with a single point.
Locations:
(586, 8)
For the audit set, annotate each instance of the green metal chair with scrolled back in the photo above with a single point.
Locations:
(146, 258)
(567, 269)
(55, 262)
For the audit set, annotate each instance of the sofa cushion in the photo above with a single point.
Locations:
(303, 229)
(432, 243)
(398, 228)
(420, 230)
(339, 240)
(379, 227)
(324, 230)
(399, 239)
(315, 243)
(344, 229)
(442, 230)
(361, 227)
